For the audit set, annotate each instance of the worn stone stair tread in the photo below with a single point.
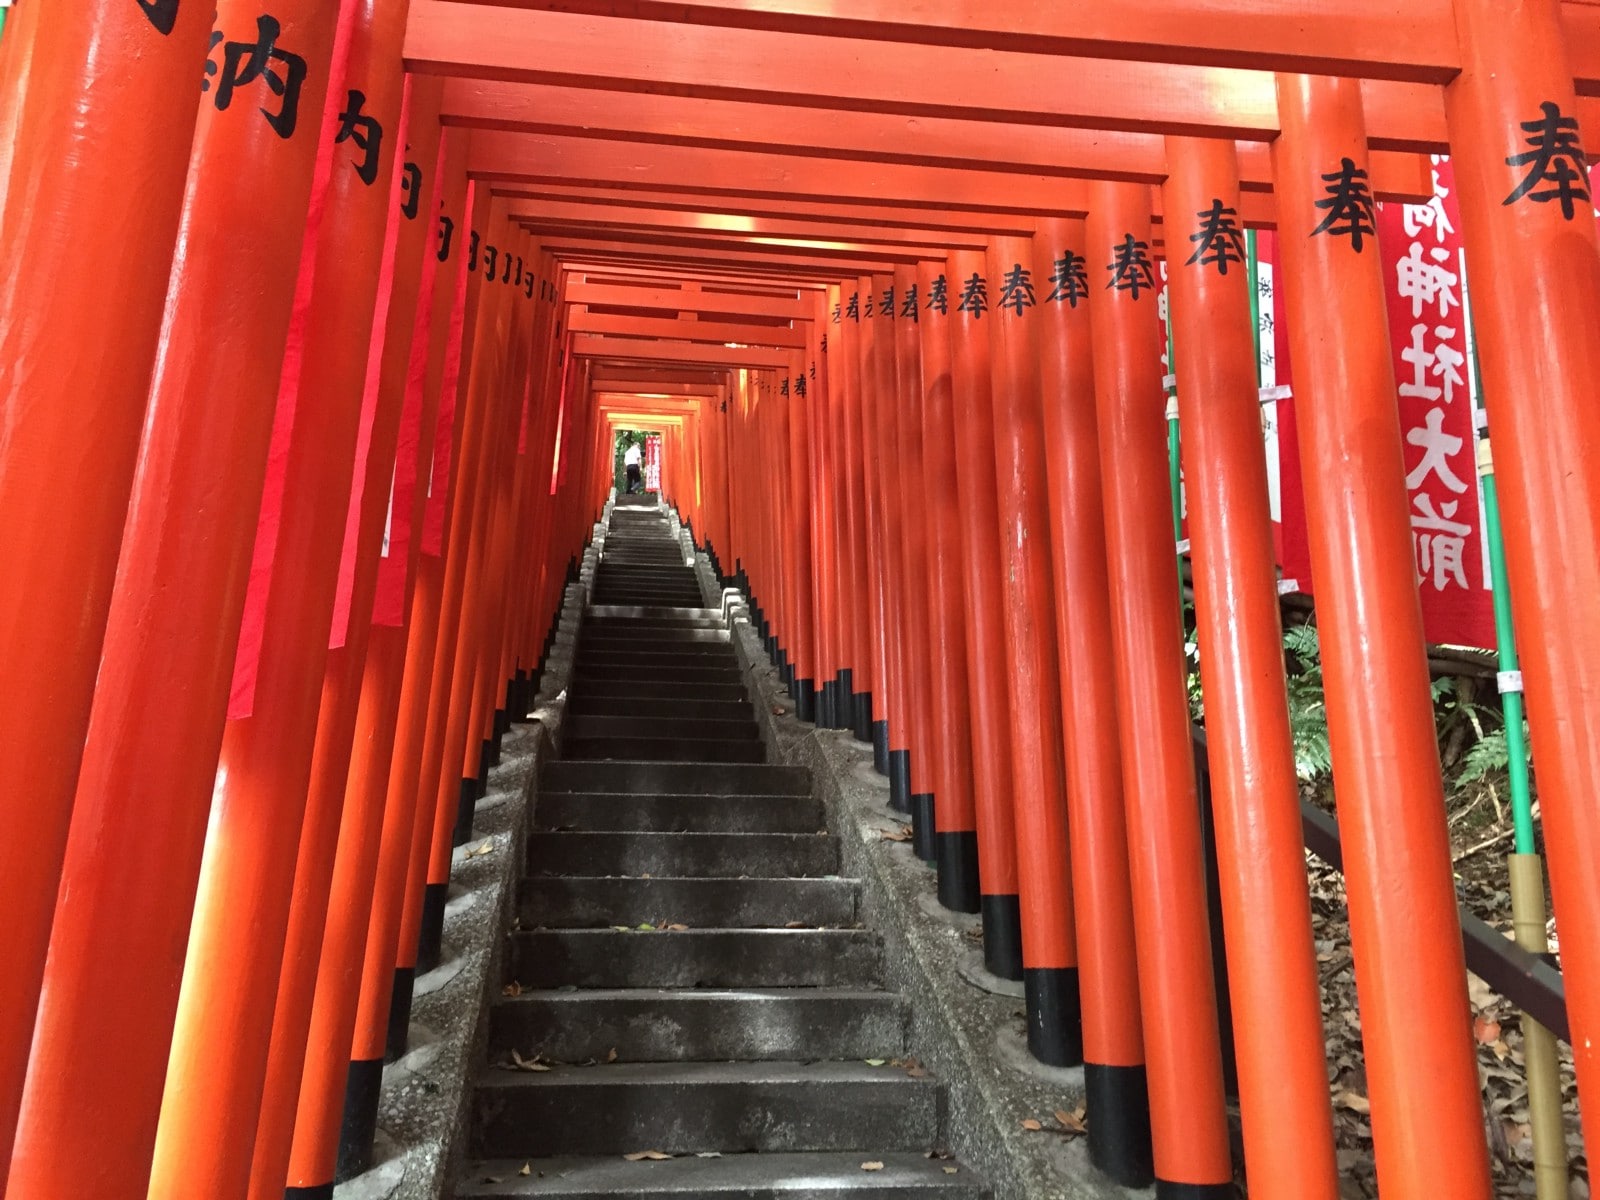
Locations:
(588, 725)
(683, 854)
(692, 1106)
(625, 748)
(669, 612)
(700, 1024)
(671, 812)
(720, 779)
(796, 1176)
(593, 901)
(717, 958)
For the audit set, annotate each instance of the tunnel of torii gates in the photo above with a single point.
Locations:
(317, 320)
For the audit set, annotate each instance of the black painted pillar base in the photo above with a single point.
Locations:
(956, 857)
(359, 1128)
(1118, 1104)
(322, 1191)
(879, 737)
(466, 808)
(492, 744)
(398, 1037)
(485, 753)
(1002, 935)
(825, 704)
(1055, 1015)
(805, 700)
(845, 713)
(518, 698)
(430, 937)
(1195, 1191)
(924, 842)
(899, 772)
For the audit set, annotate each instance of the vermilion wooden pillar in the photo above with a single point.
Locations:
(894, 623)
(1163, 813)
(1266, 908)
(858, 679)
(820, 502)
(150, 756)
(76, 88)
(832, 518)
(875, 580)
(72, 134)
(1115, 1085)
(1405, 934)
(210, 1109)
(1531, 247)
(966, 861)
(911, 486)
(989, 714)
(1044, 866)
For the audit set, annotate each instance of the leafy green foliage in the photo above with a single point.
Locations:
(1308, 712)
(1489, 755)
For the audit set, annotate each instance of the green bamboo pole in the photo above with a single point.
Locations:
(1174, 463)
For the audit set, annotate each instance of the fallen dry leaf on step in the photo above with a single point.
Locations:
(612, 1056)
(527, 1064)
(645, 925)
(1354, 1101)
(795, 925)
(511, 989)
(903, 834)
(1486, 1029)
(477, 850)
(527, 1169)
(1072, 1121)
(1033, 1126)
(494, 1178)
(872, 1166)
(676, 928)
(950, 1170)
(651, 1155)
(709, 1154)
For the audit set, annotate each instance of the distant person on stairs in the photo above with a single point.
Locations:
(631, 460)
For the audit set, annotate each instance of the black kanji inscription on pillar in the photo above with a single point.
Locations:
(1220, 239)
(1556, 159)
(491, 259)
(506, 277)
(447, 230)
(939, 296)
(245, 62)
(163, 14)
(974, 297)
(1016, 289)
(1130, 267)
(800, 385)
(909, 307)
(472, 252)
(1070, 279)
(853, 309)
(1349, 205)
(365, 131)
(410, 190)
(784, 390)
(886, 307)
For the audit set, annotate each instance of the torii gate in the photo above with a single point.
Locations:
(1170, 93)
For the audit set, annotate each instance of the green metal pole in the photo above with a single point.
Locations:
(1174, 463)
(1253, 265)
(3, 12)
(1510, 698)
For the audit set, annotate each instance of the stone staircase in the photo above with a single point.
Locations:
(695, 1007)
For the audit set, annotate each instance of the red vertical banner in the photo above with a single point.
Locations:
(652, 462)
(1294, 554)
(1425, 281)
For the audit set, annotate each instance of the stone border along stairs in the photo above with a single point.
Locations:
(729, 1044)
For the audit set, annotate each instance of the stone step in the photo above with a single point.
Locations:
(596, 902)
(675, 1025)
(691, 855)
(599, 620)
(624, 636)
(688, 1107)
(730, 673)
(732, 779)
(645, 707)
(660, 812)
(664, 613)
(660, 727)
(728, 1177)
(659, 689)
(717, 958)
(655, 749)
(707, 655)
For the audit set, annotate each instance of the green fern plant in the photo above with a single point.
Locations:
(1489, 755)
(1308, 713)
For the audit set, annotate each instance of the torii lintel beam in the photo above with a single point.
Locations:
(1373, 39)
(684, 300)
(1120, 92)
(716, 332)
(621, 349)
